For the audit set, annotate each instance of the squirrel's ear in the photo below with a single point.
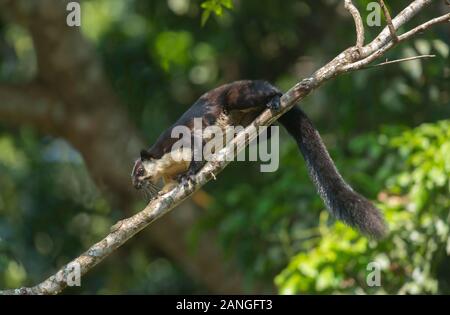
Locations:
(145, 155)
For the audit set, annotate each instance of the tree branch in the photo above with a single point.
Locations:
(388, 45)
(125, 229)
(389, 62)
(402, 18)
(387, 15)
(358, 22)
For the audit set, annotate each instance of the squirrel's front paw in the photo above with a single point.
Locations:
(275, 103)
(160, 193)
(186, 179)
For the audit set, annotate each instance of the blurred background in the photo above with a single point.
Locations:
(77, 105)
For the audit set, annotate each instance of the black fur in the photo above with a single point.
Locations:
(341, 200)
(242, 102)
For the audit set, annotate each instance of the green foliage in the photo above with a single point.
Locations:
(264, 230)
(416, 205)
(214, 6)
(50, 212)
(172, 48)
(98, 16)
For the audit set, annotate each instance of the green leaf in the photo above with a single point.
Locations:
(205, 16)
(172, 48)
(215, 6)
(227, 4)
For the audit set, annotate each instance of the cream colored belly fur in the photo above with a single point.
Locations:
(168, 167)
(176, 162)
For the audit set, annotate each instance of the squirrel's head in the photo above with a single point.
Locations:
(143, 173)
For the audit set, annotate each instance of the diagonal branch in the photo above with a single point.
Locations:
(402, 18)
(125, 229)
(382, 50)
(389, 62)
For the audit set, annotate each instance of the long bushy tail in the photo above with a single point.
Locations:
(341, 200)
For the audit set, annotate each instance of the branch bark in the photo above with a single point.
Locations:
(389, 62)
(351, 59)
(359, 25)
(387, 15)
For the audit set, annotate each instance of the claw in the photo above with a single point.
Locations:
(186, 179)
(275, 103)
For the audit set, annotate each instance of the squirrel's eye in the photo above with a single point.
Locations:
(140, 172)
